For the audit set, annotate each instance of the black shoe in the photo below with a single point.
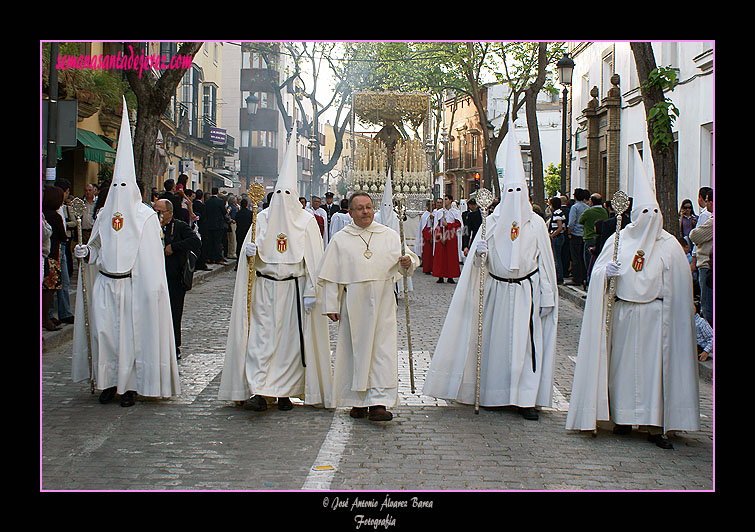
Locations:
(529, 413)
(358, 412)
(622, 429)
(440, 280)
(107, 395)
(256, 403)
(284, 403)
(128, 398)
(660, 441)
(451, 281)
(379, 413)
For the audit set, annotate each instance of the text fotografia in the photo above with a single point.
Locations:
(121, 61)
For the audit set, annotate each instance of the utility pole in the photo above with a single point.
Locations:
(52, 117)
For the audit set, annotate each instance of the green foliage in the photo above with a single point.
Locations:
(108, 87)
(552, 179)
(662, 115)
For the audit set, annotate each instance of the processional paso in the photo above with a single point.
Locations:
(392, 153)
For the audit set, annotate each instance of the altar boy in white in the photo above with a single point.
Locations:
(520, 311)
(133, 348)
(357, 274)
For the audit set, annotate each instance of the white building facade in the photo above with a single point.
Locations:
(597, 62)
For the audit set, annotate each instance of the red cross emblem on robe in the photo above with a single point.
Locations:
(117, 221)
(639, 261)
(514, 231)
(282, 243)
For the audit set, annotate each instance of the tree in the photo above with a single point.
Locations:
(314, 54)
(653, 82)
(153, 97)
(521, 66)
(552, 179)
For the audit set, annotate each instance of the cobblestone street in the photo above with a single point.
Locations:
(197, 442)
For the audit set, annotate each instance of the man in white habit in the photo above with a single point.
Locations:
(649, 376)
(280, 349)
(357, 274)
(388, 217)
(340, 219)
(130, 324)
(520, 311)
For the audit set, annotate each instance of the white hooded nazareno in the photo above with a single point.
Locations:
(263, 353)
(133, 347)
(388, 217)
(512, 372)
(645, 372)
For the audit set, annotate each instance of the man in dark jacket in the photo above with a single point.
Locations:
(243, 223)
(178, 239)
(214, 228)
(198, 208)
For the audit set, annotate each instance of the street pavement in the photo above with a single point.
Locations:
(195, 442)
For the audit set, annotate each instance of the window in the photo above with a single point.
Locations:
(264, 139)
(606, 72)
(670, 54)
(209, 102)
(258, 61)
(706, 155)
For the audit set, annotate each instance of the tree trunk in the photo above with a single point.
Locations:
(536, 154)
(664, 163)
(536, 169)
(153, 98)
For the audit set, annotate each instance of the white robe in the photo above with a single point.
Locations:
(337, 222)
(506, 370)
(361, 291)
(133, 347)
(651, 375)
(265, 359)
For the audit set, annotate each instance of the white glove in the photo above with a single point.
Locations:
(612, 269)
(544, 311)
(309, 303)
(482, 247)
(250, 249)
(81, 251)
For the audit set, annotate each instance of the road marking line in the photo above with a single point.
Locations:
(326, 464)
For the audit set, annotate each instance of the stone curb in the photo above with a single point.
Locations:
(578, 296)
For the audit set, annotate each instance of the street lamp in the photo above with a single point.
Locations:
(252, 101)
(565, 67)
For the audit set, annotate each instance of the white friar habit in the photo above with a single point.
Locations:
(388, 217)
(650, 376)
(360, 289)
(518, 344)
(265, 358)
(133, 347)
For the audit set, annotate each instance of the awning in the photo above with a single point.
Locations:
(224, 180)
(95, 149)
